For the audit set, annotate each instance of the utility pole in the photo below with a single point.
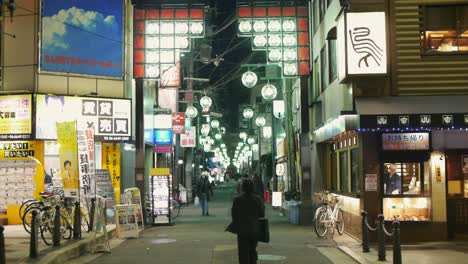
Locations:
(287, 94)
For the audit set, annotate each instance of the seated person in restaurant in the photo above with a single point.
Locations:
(392, 181)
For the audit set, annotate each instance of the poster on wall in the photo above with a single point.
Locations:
(178, 123)
(82, 37)
(110, 118)
(66, 138)
(366, 43)
(111, 162)
(15, 116)
(188, 139)
(105, 189)
(167, 99)
(86, 166)
(126, 220)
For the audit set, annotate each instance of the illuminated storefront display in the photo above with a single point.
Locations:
(281, 31)
(160, 35)
(16, 116)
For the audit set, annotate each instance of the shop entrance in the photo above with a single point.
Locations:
(457, 193)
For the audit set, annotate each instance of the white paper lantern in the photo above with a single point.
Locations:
(260, 121)
(249, 79)
(167, 28)
(269, 92)
(248, 113)
(260, 41)
(196, 28)
(245, 26)
(275, 55)
(289, 25)
(215, 123)
(290, 69)
(151, 27)
(289, 40)
(251, 140)
(191, 112)
(181, 28)
(290, 55)
(152, 70)
(274, 40)
(205, 129)
(259, 26)
(274, 25)
(206, 102)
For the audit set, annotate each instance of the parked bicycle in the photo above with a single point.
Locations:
(328, 215)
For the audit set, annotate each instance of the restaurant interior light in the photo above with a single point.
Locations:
(249, 79)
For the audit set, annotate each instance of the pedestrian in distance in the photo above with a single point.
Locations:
(246, 211)
(203, 192)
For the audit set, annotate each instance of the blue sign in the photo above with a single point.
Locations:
(82, 37)
(163, 137)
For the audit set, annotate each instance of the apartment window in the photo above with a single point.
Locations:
(345, 165)
(344, 172)
(334, 172)
(355, 181)
(444, 29)
(316, 11)
(332, 70)
(323, 68)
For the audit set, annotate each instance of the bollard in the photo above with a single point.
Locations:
(365, 232)
(91, 214)
(2, 246)
(33, 242)
(396, 243)
(381, 237)
(56, 235)
(77, 222)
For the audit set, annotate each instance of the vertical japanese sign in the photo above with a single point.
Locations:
(66, 137)
(178, 123)
(15, 116)
(86, 161)
(188, 140)
(111, 162)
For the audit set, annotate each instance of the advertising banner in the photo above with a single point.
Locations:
(105, 189)
(82, 37)
(111, 162)
(161, 185)
(178, 123)
(133, 196)
(110, 118)
(66, 137)
(15, 116)
(167, 99)
(162, 121)
(16, 150)
(188, 140)
(126, 220)
(86, 161)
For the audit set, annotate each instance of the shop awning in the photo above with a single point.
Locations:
(413, 112)
(335, 127)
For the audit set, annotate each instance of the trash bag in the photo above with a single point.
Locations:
(197, 201)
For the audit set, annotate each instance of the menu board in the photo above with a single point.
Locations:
(104, 188)
(16, 182)
(126, 220)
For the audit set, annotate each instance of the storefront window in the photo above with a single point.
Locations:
(407, 209)
(344, 183)
(334, 174)
(403, 179)
(354, 171)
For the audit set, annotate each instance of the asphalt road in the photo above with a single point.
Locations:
(197, 239)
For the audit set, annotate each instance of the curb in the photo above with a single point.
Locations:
(346, 250)
(71, 251)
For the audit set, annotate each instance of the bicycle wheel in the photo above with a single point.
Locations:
(27, 218)
(84, 221)
(25, 205)
(66, 229)
(175, 209)
(47, 230)
(339, 222)
(320, 225)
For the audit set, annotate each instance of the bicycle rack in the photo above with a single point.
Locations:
(33, 243)
(382, 233)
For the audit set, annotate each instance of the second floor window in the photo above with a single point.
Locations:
(444, 29)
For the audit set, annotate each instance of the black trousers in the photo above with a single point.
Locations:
(247, 250)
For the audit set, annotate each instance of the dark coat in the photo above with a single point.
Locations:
(246, 210)
(204, 184)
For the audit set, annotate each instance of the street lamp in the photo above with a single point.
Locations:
(215, 123)
(269, 92)
(260, 121)
(180, 162)
(218, 136)
(248, 113)
(242, 135)
(249, 79)
(191, 112)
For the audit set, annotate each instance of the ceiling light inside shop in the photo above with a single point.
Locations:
(151, 27)
(274, 25)
(274, 40)
(290, 69)
(245, 26)
(289, 25)
(260, 41)
(196, 28)
(259, 26)
(167, 28)
(289, 40)
(152, 70)
(181, 28)
(152, 42)
(275, 55)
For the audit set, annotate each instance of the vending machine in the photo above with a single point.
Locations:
(161, 193)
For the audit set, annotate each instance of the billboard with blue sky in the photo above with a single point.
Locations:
(82, 37)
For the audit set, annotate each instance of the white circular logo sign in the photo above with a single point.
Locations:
(280, 169)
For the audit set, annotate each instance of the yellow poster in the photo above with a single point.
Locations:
(15, 115)
(66, 137)
(111, 162)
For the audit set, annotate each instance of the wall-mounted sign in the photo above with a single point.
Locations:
(16, 149)
(178, 123)
(163, 121)
(86, 161)
(405, 141)
(15, 116)
(67, 138)
(163, 137)
(278, 108)
(163, 148)
(366, 43)
(110, 118)
(425, 120)
(280, 169)
(188, 140)
(371, 183)
(167, 99)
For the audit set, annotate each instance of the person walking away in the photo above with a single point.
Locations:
(247, 208)
(203, 192)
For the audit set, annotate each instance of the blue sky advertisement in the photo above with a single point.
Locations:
(82, 37)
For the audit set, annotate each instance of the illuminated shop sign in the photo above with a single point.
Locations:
(110, 118)
(405, 141)
(15, 116)
(163, 137)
